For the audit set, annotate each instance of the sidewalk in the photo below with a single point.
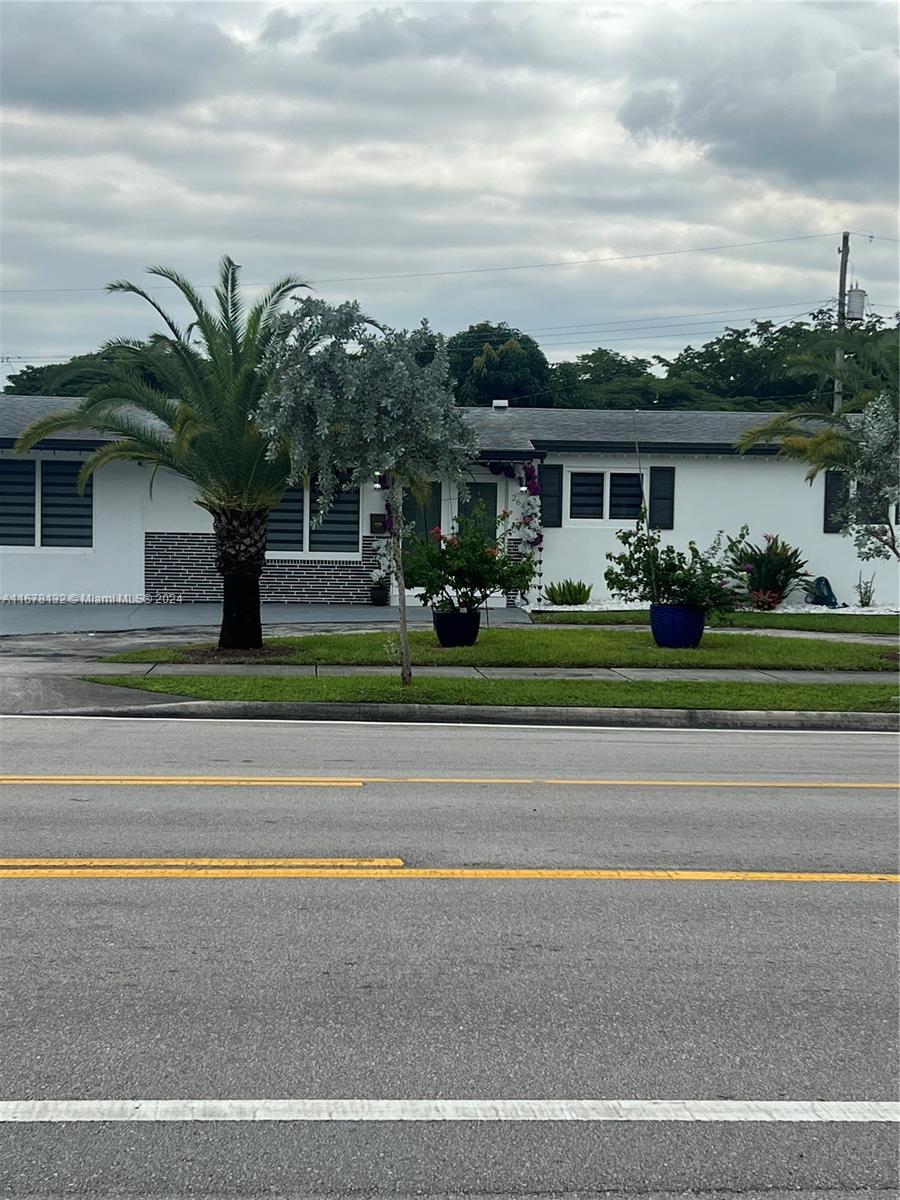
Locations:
(26, 667)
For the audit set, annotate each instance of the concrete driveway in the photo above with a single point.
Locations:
(19, 619)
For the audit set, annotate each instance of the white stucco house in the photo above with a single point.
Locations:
(594, 466)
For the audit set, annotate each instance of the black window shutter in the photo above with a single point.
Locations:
(662, 498)
(67, 518)
(550, 479)
(870, 510)
(16, 502)
(835, 499)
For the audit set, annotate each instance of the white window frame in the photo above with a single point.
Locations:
(37, 547)
(606, 521)
(307, 555)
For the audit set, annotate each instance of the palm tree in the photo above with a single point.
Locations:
(827, 440)
(186, 400)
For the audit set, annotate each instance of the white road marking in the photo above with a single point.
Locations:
(842, 1111)
(462, 726)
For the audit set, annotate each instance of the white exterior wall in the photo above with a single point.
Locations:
(713, 493)
(114, 565)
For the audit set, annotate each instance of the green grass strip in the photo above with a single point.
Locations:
(563, 693)
(814, 622)
(533, 647)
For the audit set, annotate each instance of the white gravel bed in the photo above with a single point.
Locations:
(874, 610)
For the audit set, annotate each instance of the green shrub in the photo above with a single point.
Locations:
(653, 573)
(569, 591)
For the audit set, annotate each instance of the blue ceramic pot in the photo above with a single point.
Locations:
(456, 628)
(677, 626)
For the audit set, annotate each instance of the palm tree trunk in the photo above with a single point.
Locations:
(240, 558)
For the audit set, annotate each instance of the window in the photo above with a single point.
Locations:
(420, 516)
(625, 496)
(285, 529)
(338, 532)
(17, 504)
(620, 496)
(586, 495)
(290, 528)
(40, 504)
(484, 494)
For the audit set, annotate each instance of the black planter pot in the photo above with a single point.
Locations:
(456, 628)
(677, 626)
(379, 595)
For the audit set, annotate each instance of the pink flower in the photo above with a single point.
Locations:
(769, 537)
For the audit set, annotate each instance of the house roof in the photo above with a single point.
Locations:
(511, 434)
(602, 430)
(18, 412)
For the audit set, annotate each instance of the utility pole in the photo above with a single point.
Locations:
(841, 320)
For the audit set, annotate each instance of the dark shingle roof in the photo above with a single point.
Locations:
(549, 430)
(17, 413)
(512, 433)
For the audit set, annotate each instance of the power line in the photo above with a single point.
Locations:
(477, 270)
(712, 312)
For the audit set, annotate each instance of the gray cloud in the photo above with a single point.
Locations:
(808, 96)
(349, 140)
(110, 58)
(280, 25)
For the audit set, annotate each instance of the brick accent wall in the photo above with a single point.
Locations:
(184, 563)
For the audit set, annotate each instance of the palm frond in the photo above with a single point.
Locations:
(123, 285)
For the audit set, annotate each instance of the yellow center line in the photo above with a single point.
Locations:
(26, 863)
(175, 781)
(250, 781)
(447, 873)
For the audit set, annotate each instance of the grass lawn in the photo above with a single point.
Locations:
(566, 693)
(532, 647)
(816, 622)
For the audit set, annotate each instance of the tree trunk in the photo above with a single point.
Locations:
(396, 501)
(240, 558)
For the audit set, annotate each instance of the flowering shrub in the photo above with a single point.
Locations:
(765, 574)
(657, 574)
(384, 564)
(458, 571)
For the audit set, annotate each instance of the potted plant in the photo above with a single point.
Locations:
(458, 572)
(680, 587)
(767, 574)
(382, 574)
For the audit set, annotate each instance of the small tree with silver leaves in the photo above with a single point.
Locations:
(353, 398)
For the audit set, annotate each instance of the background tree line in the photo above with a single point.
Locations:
(755, 368)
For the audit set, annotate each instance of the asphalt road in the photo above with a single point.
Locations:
(438, 989)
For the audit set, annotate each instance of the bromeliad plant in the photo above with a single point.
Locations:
(460, 570)
(653, 573)
(765, 574)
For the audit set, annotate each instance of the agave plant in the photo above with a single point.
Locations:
(186, 401)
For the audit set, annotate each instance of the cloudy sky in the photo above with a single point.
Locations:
(437, 140)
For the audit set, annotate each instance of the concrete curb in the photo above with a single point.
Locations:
(484, 714)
